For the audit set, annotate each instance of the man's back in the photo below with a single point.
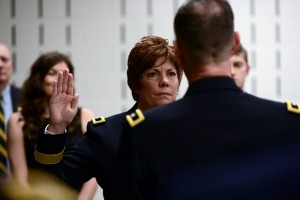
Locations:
(218, 142)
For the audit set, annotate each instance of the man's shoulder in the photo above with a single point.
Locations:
(15, 89)
(284, 107)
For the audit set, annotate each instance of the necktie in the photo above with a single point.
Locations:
(3, 151)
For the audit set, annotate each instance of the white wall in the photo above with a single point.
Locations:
(270, 32)
(102, 32)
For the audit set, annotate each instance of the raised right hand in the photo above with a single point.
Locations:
(63, 103)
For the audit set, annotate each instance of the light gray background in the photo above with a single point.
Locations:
(98, 35)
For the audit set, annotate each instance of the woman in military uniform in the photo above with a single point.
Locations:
(154, 77)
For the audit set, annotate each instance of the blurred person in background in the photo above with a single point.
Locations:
(23, 125)
(239, 66)
(9, 98)
(10, 93)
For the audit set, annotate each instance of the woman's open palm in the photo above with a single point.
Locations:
(63, 102)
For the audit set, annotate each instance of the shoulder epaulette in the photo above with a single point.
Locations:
(99, 120)
(135, 118)
(292, 107)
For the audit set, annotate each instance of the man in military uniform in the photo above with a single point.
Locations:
(217, 142)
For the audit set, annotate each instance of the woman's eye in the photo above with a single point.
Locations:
(152, 74)
(172, 74)
(51, 73)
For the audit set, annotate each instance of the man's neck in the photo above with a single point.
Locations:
(211, 70)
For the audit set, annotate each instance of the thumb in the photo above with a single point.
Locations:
(74, 101)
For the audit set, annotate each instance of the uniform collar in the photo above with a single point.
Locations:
(132, 109)
(212, 83)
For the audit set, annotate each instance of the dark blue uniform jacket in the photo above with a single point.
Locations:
(218, 142)
(94, 156)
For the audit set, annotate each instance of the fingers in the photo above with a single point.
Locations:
(74, 101)
(54, 89)
(70, 88)
(58, 84)
(63, 84)
(65, 81)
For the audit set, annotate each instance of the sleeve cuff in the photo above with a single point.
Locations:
(50, 144)
(50, 133)
(48, 159)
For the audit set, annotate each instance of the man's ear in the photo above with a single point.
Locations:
(248, 69)
(236, 42)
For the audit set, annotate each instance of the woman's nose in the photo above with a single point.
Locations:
(164, 81)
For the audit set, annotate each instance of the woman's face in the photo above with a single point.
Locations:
(159, 85)
(52, 75)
